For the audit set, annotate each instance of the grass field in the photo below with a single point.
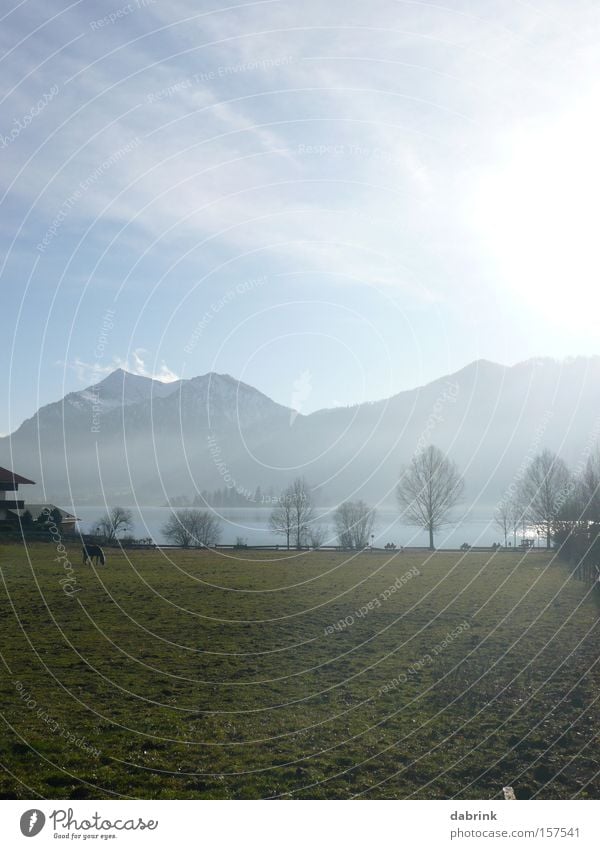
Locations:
(199, 675)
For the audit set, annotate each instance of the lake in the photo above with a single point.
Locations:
(252, 525)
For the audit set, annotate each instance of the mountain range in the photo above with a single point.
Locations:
(132, 439)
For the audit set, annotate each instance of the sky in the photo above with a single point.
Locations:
(329, 201)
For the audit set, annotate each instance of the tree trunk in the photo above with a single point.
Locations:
(431, 537)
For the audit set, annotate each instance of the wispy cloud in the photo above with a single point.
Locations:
(139, 366)
(137, 363)
(358, 148)
(226, 134)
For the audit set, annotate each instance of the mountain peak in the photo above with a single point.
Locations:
(114, 376)
(146, 441)
(125, 387)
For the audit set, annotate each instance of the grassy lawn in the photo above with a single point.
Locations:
(203, 675)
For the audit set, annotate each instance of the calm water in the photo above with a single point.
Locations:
(251, 524)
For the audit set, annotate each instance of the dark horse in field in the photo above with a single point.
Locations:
(93, 553)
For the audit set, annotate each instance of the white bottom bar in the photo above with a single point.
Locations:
(302, 825)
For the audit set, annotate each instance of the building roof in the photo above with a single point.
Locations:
(6, 476)
(37, 509)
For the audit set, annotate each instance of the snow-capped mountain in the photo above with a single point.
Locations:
(130, 436)
(121, 389)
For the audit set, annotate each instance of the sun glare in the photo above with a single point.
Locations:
(539, 214)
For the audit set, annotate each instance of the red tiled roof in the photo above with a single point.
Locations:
(6, 476)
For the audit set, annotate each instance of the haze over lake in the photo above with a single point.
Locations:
(252, 525)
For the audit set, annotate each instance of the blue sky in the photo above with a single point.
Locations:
(348, 198)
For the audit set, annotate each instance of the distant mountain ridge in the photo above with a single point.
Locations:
(132, 438)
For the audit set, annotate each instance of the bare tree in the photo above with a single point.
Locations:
(197, 528)
(503, 519)
(317, 534)
(294, 513)
(177, 529)
(303, 513)
(517, 517)
(281, 520)
(589, 489)
(544, 490)
(354, 521)
(116, 521)
(509, 517)
(429, 487)
(207, 528)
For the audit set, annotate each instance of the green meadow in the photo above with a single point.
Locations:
(196, 674)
